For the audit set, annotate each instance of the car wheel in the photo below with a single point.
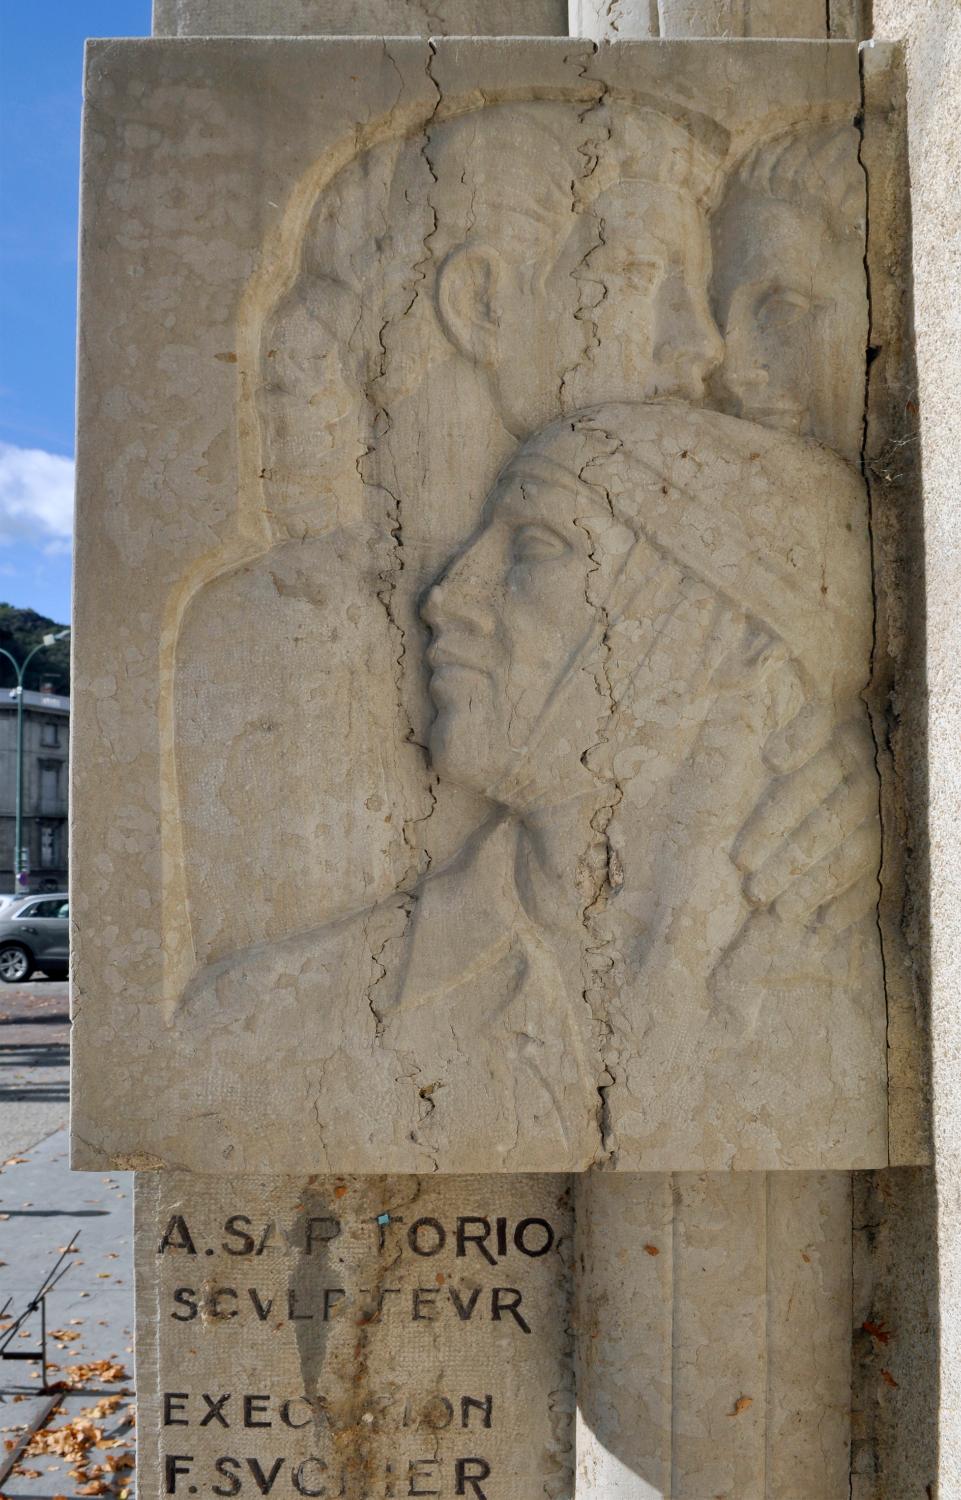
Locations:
(16, 964)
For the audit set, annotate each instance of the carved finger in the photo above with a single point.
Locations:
(852, 861)
(789, 747)
(841, 813)
(857, 902)
(849, 756)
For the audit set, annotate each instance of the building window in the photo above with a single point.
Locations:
(48, 846)
(50, 786)
(50, 733)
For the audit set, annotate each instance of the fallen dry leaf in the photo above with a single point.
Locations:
(889, 1379)
(652, 1250)
(877, 1331)
(741, 1404)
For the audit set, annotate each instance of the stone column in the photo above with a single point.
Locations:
(714, 1335)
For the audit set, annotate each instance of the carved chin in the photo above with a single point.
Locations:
(450, 751)
(459, 754)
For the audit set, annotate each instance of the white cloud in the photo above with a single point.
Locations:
(36, 497)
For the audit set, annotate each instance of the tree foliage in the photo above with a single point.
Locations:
(20, 631)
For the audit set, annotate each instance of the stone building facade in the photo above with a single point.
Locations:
(46, 741)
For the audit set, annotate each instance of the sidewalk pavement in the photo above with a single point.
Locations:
(34, 1063)
(86, 1448)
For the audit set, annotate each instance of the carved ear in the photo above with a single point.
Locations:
(467, 293)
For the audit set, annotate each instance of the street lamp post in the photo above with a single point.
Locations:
(20, 669)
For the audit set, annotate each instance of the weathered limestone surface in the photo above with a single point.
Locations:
(360, 17)
(613, 20)
(733, 1294)
(895, 1425)
(932, 33)
(365, 1339)
(898, 694)
(490, 782)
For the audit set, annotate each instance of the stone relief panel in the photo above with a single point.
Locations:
(518, 796)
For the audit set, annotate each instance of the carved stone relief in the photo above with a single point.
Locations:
(514, 741)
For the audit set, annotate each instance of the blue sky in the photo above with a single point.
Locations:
(41, 63)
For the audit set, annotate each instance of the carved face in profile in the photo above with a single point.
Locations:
(646, 288)
(789, 286)
(625, 555)
(508, 618)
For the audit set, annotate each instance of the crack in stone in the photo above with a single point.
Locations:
(381, 424)
(866, 472)
(410, 901)
(420, 267)
(590, 149)
(606, 876)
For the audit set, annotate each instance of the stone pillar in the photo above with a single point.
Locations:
(714, 1335)
(653, 1425)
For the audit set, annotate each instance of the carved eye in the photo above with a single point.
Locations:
(782, 306)
(534, 544)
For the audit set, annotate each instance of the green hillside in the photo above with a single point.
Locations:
(22, 629)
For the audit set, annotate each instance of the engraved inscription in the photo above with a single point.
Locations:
(348, 1338)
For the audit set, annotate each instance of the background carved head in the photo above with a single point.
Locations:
(582, 272)
(789, 285)
(579, 274)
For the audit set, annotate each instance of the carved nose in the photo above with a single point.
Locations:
(704, 348)
(458, 599)
(691, 344)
